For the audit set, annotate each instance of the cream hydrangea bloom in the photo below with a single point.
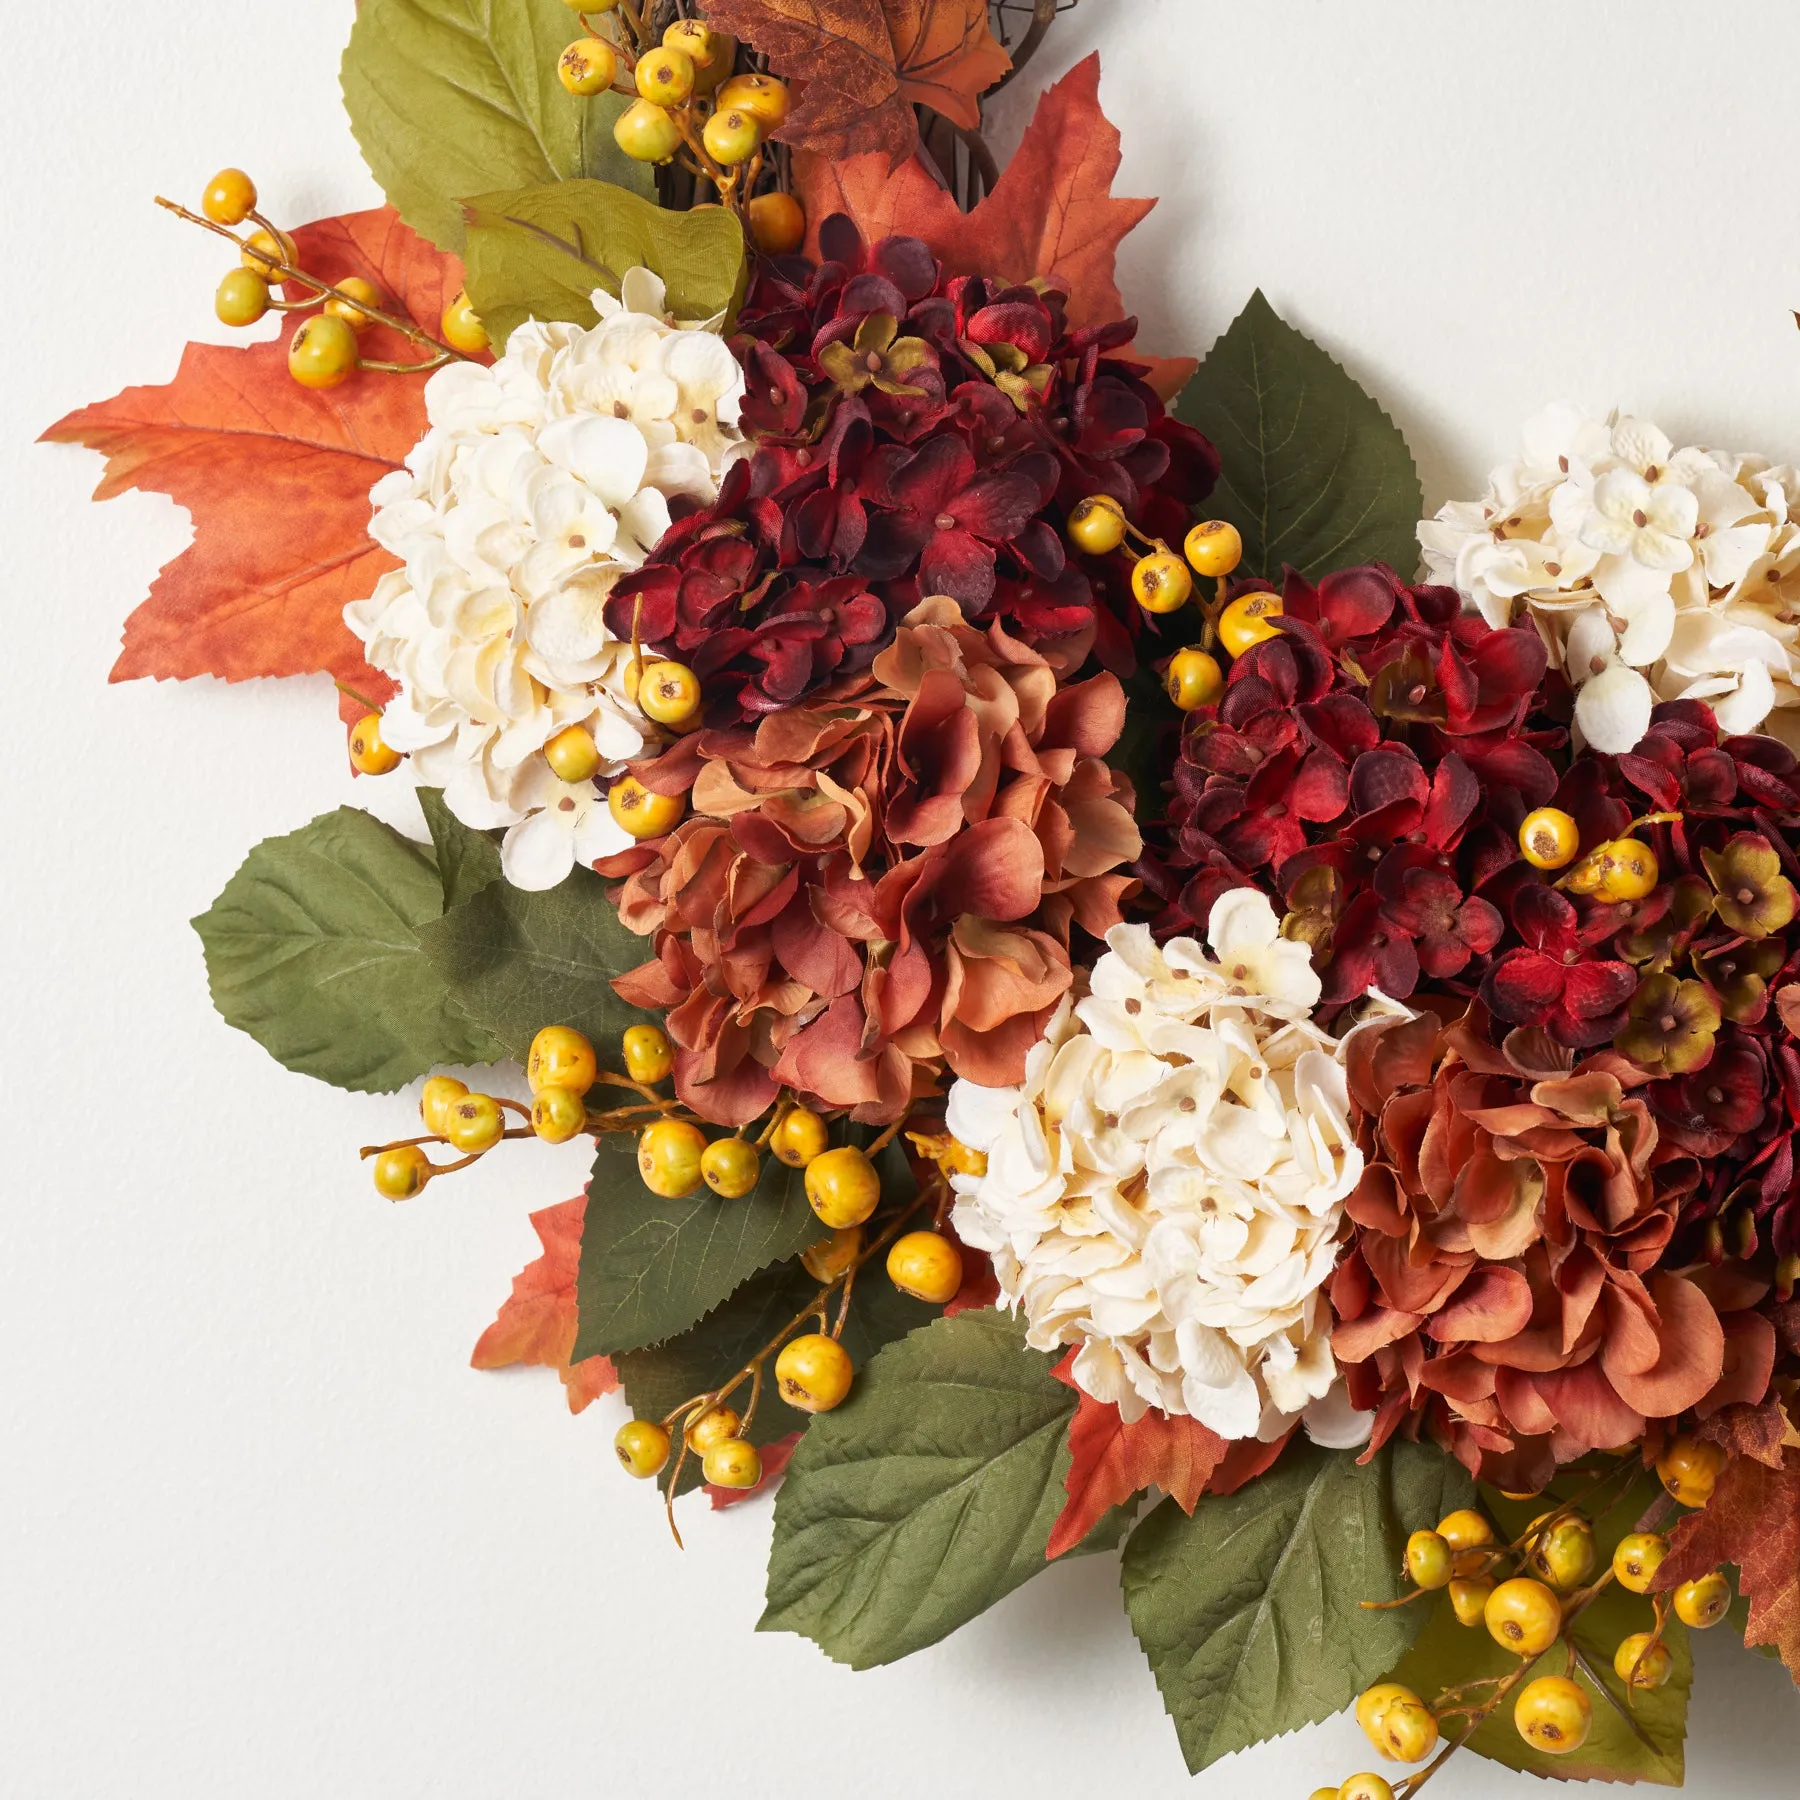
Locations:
(1651, 573)
(541, 481)
(1165, 1189)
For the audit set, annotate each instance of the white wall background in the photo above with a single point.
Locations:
(262, 1532)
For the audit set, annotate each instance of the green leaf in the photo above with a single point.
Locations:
(313, 949)
(1448, 1654)
(926, 1497)
(651, 1267)
(541, 252)
(449, 98)
(1314, 472)
(518, 961)
(1250, 1611)
(467, 860)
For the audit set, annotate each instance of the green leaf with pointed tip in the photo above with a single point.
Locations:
(467, 860)
(540, 253)
(926, 1497)
(1313, 472)
(1250, 1612)
(651, 1267)
(313, 949)
(449, 98)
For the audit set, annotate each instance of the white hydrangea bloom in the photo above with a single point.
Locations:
(541, 481)
(1651, 573)
(1165, 1189)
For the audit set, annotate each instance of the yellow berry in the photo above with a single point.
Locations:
(730, 1167)
(649, 1056)
(711, 52)
(1688, 1468)
(1564, 1555)
(666, 76)
(642, 1448)
(242, 299)
(642, 813)
(1643, 1661)
(558, 1114)
(230, 197)
(369, 751)
(474, 1123)
(322, 353)
(1214, 548)
(732, 1463)
(831, 1256)
(926, 1265)
(1428, 1560)
(354, 288)
(813, 1373)
(1193, 679)
(646, 133)
(761, 95)
(1636, 1559)
(1246, 622)
(263, 249)
(800, 1136)
(842, 1186)
(591, 6)
(400, 1173)
(1468, 1600)
(1097, 525)
(1553, 1715)
(668, 692)
(669, 1155)
(1523, 1616)
(462, 326)
(587, 66)
(1161, 583)
(435, 1100)
(1632, 872)
(1397, 1722)
(561, 1056)
(731, 136)
(1468, 1534)
(1548, 838)
(1324, 1793)
(713, 1426)
(573, 755)
(777, 223)
(1365, 1787)
(1702, 1604)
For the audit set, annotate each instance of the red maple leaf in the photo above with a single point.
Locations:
(774, 1459)
(1051, 214)
(537, 1323)
(1753, 1520)
(275, 476)
(1110, 1461)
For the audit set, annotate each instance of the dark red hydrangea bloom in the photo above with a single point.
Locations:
(916, 435)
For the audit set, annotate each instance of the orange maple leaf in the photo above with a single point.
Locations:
(1753, 1520)
(537, 1323)
(1052, 213)
(867, 63)
(275, 476)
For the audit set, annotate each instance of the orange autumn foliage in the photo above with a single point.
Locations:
(537, 1323)
(276, 477)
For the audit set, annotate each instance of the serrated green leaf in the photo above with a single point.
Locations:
(312, 948)
(1250, 1612)
(926, 1497)
(540, 252)
(1313, 472)
(1448, 1654)
(517, 961)
(449, 98)
(651, 1267)
(467, 860)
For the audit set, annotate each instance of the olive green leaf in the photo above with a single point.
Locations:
(1313, 473)
(1250, 1611)
(651, 1267)
(449, 98)
(926, 1497)
(313, 949)
(467, 860)
(541, 251)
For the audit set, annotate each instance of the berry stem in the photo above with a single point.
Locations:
(360, 699)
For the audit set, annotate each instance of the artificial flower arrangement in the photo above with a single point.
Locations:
(1108, 1015)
